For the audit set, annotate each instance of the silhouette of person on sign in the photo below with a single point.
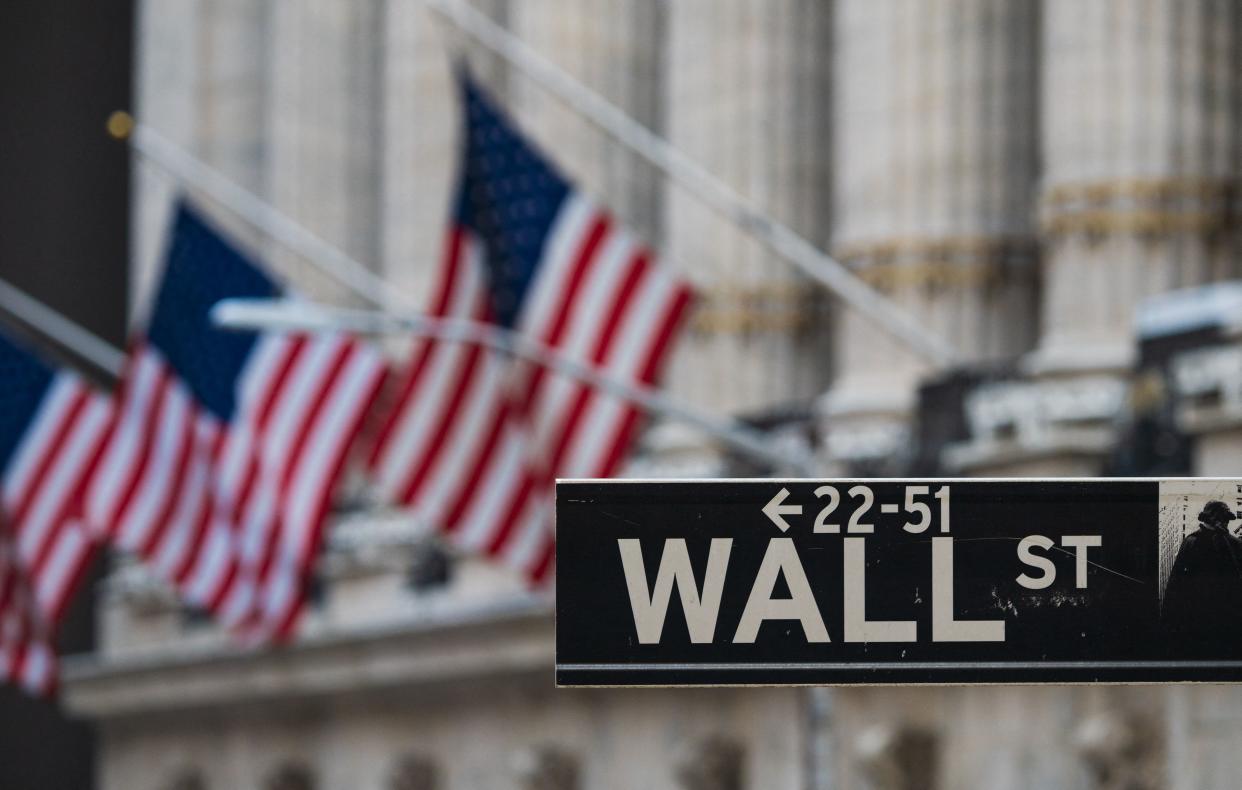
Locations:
(1203, 598)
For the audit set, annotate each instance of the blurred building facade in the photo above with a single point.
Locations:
(1021, 176)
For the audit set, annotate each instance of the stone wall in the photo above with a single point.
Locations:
(1018, 174)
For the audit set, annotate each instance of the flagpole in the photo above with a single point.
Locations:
(189, 170)
(698, 181)
(57, 327)
(296, 315)
(400, 316)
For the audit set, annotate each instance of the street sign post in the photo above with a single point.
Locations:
(771, 582)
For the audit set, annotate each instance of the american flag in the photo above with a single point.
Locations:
(476, 441)
(228, 445)
(52, 430)
(27, 657)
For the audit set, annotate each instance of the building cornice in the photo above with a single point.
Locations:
(506, 643)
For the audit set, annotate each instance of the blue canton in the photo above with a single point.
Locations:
(23, 383)
(509, 197)
(203, 269)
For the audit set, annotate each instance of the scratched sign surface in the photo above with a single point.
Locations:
(898, 581)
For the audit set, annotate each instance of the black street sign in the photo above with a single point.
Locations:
(770, 582)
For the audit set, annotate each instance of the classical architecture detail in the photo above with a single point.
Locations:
(323, 74)
(747, 87)
(932, 200)
(896, 757)
(545, 768)
(626, 69)
(793, 308)
(1154, 209)
(936, 264)
(1139, 155)
(713, 763)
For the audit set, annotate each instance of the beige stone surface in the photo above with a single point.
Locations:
(746, 96)
(966, 155)
(633, 738)
(1139, 144)
(934, 161)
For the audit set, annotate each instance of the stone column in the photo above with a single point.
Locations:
(324, 130)
(747, 87)
(230, 133)
(420, 128)
(934, 162)
(1140, 150)
(167, 65)
(1138, 196)
(615, 48)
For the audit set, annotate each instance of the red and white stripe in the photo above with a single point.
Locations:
(43, 487)
(474, 442)
(232, 513)
(27, 659)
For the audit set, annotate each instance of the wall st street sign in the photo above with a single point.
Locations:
(898, 581)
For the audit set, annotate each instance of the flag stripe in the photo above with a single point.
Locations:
(37, 446)
(656, 297)
(31, 527)
(604, 345)
(179, 538)
(449, 286)
(121, 465)
(338, 421)
(45, 547)
(51, 493)
(592, 303)
(561, 309)
(573, 223)
(478, 505)
(656, 354)
(588, 249)
(152, 488)
(477, 427)
(574, 397)
(59, 501)
(474, 441)
(221, 468)
(411, 446)
(297, 457)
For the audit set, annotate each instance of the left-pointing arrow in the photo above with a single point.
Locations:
(777, 511)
